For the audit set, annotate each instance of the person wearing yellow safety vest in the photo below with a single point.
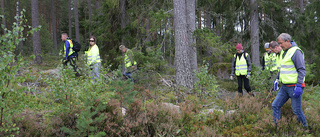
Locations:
(241, 66)
(70, 55)
(129, 63)
(93, 58)
(275, 48)
(268, 59)
(292, 75)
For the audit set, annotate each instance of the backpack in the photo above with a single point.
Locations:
(76, 46)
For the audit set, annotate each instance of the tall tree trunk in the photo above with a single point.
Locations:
(54, 28)
(301, 7)
(70, 19)
(191, 26)
(20, 46)
(90, 14)
(254, 32)
(36, 34)
(123, 17)
(4, 18)
(76, 20)
(208, 20)
(182, 62)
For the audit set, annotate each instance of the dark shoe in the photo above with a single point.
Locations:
(251, 94)
(240, 94)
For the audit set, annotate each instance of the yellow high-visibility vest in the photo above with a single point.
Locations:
(71, 46)
(241, 65)
(127, 61)
(288, 72)
(93, 55)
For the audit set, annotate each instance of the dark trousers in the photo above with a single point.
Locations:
(72, 62)
(246, 83)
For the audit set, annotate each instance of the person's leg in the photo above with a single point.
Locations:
(247, 86)
(297, 108)
(96, 70)
(281, 98)
(128, 74)
(240, 84)
(74, 66)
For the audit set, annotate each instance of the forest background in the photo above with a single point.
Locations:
(183, 48)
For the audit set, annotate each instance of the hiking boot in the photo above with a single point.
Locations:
(240, 94)
(251, 94)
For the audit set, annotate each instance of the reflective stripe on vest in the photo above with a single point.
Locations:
(71, 46)
(241, 65)
(273, 62)
(127, 61)
(288, 72)
(93, 55)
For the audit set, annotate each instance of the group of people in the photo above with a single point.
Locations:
(93, 57)
(284, 58)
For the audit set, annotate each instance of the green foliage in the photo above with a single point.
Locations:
(123, 90)
(212, 44)
(10, 64)
(261, 80)
(310, 76)
(207, 84)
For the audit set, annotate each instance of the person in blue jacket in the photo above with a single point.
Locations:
(70, 55)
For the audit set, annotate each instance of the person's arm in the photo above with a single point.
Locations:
(299, 63)
(248, 63)
(233, 66)
(67, 45)
(262, 61)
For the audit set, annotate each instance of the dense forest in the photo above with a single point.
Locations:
(183, 50)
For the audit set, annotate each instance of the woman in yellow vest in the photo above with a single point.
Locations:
(129, 63)
(241, 66)
(93, 58)
(292, 75)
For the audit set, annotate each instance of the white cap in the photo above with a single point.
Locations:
(266, 46)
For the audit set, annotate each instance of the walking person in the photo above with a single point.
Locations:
(70, 55)
(93, 58)
(275, 48)
(129, 63)
(241, 66)
(292, 75)
(268, 60)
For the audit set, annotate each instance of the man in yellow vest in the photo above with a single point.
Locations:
(268, 59)
(275, 48)
(241, 66)
(129, 63)
(70, 55)
(292, 74)
(93, 58)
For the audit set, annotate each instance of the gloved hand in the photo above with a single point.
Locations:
(275, 86)
(231, 77)
(248, 75)
(297, 91)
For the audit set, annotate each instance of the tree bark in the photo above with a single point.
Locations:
(123, 16)
(4, 18)
(254, 32)
(36, 34)
(70, 19)
(183, 68)
(191, 26)
(90, 14)
(54, 28)
(301, 7)
(76, 20)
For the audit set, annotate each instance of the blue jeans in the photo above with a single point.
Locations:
(282, 97)
(128, 74)
(95, 71)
